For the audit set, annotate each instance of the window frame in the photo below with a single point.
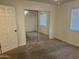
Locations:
(71, 21)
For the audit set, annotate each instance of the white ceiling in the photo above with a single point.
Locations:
(53, 1)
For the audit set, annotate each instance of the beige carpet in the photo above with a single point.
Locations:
(36, 37)
(50, 49)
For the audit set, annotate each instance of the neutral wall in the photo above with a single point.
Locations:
(31, 21)
(20, 5)
(63, 17)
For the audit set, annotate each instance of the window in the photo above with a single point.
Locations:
(75, 20)
(43, 19)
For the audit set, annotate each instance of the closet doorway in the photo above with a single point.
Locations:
(36, 25)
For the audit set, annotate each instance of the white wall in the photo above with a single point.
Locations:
(20, 5)
(63, 17)
(31, 21)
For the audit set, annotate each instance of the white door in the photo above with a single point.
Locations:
(8, 34)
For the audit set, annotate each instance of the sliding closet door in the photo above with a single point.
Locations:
(8, 34)
(43, 22)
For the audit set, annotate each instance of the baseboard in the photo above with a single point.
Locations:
(66, 42)
(31, 31)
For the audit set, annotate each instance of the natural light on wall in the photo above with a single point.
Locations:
(75, 20)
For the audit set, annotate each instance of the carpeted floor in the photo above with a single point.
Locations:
(49, 49)
(36, 37)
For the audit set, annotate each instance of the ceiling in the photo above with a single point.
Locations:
(56, 2)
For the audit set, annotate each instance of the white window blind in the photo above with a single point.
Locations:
(74, 20)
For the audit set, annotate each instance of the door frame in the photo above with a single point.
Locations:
(37, 22)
